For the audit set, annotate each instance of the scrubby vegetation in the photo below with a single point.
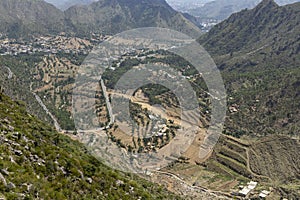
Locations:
(37, 162)
(257, 52)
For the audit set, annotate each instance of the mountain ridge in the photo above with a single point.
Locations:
(254, 23)
(222, 9)
(257, 52)
(22, 18)
(117, 15)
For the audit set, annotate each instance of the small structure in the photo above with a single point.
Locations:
(247, 189)
(263, 194)
(244, 192)
(252, 185)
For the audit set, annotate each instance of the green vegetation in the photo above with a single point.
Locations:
(52, 79)
(158, 94)
(37, 162)
(229, 158)
(18, 87)
(257, 52)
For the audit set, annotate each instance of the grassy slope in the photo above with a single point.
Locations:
(37, 162)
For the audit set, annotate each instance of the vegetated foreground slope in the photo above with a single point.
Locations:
(37, 162)
(258, 53)
(278, 157)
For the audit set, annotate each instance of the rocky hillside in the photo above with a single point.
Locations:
(20, 17)
(117, 15)
(258, 53)
(39, 163)
(65, 4)
(222, 9)
(24, 17)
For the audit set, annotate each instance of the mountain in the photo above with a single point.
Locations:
(257, 52)
(221, 9)
(118, 15)
(21, 17)
(65, 4)
(24, 17)
(185, 5)
(39, 163)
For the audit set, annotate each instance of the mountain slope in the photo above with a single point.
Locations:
(258, 53)
(221, 9)
(265, 23)
(21, 17)
(38, 163)
(119, 15)
(25, 17)
(65, 4)
(17, 86)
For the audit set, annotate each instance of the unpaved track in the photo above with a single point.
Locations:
(156, 110)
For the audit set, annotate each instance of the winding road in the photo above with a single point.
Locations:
(108, 105)
(56, 124)
(199, 188)
(39, 100)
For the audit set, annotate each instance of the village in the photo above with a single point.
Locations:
(49, 44)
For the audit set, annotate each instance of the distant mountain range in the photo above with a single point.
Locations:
(221, 9)
(114, 16)
(23, 17)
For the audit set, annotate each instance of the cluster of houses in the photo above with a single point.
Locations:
(247, 191)
(49, 45)
(207, 24)
(160, 128)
